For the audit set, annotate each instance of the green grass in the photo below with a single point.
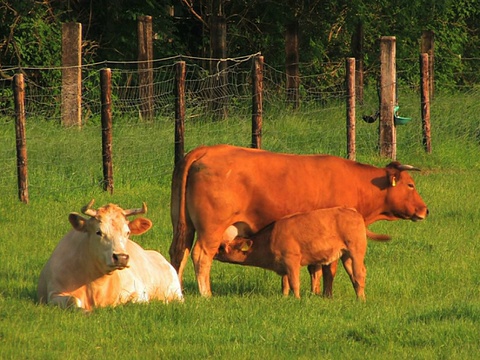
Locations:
(423, 287)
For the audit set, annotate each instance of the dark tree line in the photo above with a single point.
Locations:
(30, 30)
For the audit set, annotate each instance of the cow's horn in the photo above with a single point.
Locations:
(87, 209)
(408, 167)
(130, 212)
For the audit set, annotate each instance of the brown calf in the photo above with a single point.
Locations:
(319, 237)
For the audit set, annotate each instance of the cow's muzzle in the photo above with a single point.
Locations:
(120, 261)
(419, 217)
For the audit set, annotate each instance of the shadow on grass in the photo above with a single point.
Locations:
(455, 312)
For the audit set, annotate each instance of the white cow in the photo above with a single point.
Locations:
(96, 264)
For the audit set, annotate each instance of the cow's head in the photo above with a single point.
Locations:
(235, 251)
(108, 231)
(403, 200)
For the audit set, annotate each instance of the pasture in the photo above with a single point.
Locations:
(423, 287)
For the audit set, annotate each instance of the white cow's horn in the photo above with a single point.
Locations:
(130, 212)
(87, 209)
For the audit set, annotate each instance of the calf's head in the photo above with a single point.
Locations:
(402, 200)
(108, 231)
(235, 251)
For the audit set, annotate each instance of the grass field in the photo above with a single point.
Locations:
(423, 287)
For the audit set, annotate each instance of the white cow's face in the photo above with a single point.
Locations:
(108, 241)
(108, 234)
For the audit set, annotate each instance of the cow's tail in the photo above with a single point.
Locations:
(377, 237)
(178, 207)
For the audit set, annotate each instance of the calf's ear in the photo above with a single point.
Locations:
(245, 245)
(139, 226)
(77, 221)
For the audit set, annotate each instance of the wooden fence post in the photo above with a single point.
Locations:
(428, 46)
(145, 66)
(257, 102)
(387, 141)
(21, 138)
(71, 74)
(425, 101)
(218, 66)
(350, 84)
(292, 62)
(180, 72)
(106, 98)
(358, 53)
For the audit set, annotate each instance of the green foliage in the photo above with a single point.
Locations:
(30, 32)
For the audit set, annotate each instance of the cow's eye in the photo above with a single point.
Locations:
(99, 232)
(411, 186)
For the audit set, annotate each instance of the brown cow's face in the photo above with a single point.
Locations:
(108, 234)
(403, 200)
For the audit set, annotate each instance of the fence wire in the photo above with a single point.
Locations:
(64, 159)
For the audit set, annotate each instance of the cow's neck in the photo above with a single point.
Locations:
(372, 198)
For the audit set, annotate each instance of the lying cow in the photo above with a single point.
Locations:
(214, 187)
(96, 264)
(319, 237)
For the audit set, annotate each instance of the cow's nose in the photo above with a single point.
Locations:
(120, 260)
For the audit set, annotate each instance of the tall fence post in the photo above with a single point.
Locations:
(72, 74)
(257, 102)
(425, 100)
(358, 53)
(292, 63)
(180, 71)
(145, 66)
(21, 138)
(106, 99)
(387, 140)
(350, 84)
(218, 66)
(428, 46)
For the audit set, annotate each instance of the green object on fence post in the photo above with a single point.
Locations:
(399, 120)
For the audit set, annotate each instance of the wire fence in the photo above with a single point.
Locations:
(61, 159)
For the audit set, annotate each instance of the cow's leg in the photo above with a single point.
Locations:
(177, 260)
(202, 257)
(65, 301)
(293, 273)
(355, 268)
(359, 273)
(329, 272)
(315, 272)
(285, 285)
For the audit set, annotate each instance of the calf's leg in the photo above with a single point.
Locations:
(329, 272)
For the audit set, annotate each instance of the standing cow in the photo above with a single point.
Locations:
(318, 237)
(214, 187)
(96, 264)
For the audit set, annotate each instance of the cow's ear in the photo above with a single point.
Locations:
(246, 245)
(393, 174)
(139, 226)
(393, 181)
(77, 221)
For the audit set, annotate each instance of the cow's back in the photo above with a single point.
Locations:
(159, 278)
(258, 187)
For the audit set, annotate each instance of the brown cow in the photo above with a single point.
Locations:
(318, 237)
(214, 187)
(96, 264)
